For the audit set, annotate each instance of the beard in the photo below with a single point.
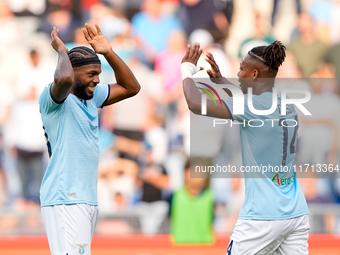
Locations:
(79, 90)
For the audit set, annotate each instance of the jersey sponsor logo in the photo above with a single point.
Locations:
(81, 248)
(283, 181)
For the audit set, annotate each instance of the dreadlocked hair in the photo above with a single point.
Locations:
(272, 55)
(81, 52)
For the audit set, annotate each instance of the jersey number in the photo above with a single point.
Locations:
(292, 147)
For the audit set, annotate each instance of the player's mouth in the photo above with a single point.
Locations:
(92, 87)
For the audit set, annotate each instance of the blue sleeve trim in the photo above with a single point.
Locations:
(107, 97)
(55, 101)
(226, 105)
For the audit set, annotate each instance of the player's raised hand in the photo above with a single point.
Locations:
(57, 43)
(192, 54)
(95, 38)
(214, 72)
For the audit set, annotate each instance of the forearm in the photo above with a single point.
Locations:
(192, 95)
(124, 76)
(63, 76)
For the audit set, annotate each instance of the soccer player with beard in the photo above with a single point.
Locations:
(68, 109)
(274, 215)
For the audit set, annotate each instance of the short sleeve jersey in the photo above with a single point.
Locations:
(269, 142)
(71, 132)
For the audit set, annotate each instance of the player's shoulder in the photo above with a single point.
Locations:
(263, 101)
(45, 91)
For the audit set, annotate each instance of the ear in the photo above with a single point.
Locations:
(255, 74)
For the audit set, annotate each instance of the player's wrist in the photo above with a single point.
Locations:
(109, 52)
(62, 48)
(188, 70)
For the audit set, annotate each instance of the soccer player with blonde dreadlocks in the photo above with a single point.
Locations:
(274, 215)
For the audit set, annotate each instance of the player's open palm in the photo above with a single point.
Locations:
(214, 72)
(57, 43)
(192, 54)
(95, 38)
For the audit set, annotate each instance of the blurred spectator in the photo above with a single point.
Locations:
(37, 73)
(260, 36)
(115, 188)
(73, 6)
(9, 26)
(316, 197)
(116, 181)
(332, 57)
(87, 4)
(28, 142)
(6, 100)
(111, 22)
(130, 131)
(27, 7)
(195, 14)
(276, 4)
(227, 211)
(289, 68)
(182, 125)
(207, 45)
(128, 7)
(335, 22)
(153, 28)
(192, 210)
(78, 40)
(61, 19)
(152, 209)
(167, 64)
(227, 8)
(321, 13)
(323, 148)
(307, 49)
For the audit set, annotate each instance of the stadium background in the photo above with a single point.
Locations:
(145, 140)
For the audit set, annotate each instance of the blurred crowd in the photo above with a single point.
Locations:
(145, 140)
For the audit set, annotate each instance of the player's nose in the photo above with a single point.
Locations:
(96, 80)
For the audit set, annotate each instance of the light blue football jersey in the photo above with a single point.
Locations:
(274, 194)
(71, 132)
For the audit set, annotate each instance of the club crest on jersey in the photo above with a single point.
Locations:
(81, 248)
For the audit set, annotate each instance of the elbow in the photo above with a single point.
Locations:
(135, 90)
(65, 79)
(194, 108)
(195, 111)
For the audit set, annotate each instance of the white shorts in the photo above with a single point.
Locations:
(277, 237)
(70, 228)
